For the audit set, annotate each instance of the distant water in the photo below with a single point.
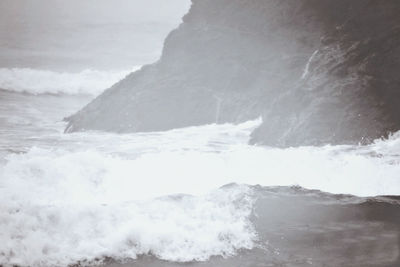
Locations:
(86, 82)
(75, 34)
(82, 197)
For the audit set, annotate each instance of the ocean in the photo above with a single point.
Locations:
(195, 196)
(182, 195)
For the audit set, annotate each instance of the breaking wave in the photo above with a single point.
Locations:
(33, 81)
(65, 205)
(63, 221)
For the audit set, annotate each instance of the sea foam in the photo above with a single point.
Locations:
(68, 204)
(85, 206)
(33, 81)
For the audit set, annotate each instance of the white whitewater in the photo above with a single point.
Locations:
(77, 197)
(91, 82)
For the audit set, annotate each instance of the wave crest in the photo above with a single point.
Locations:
(67, 217)
(33, 81)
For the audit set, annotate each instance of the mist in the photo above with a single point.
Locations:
(74, 35)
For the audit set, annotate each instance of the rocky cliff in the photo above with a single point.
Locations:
(317, 71)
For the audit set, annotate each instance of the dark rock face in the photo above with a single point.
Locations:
(317, 71)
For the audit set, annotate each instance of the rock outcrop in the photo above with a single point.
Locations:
(317, 71)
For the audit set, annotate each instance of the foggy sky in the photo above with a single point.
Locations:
(77, 34)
